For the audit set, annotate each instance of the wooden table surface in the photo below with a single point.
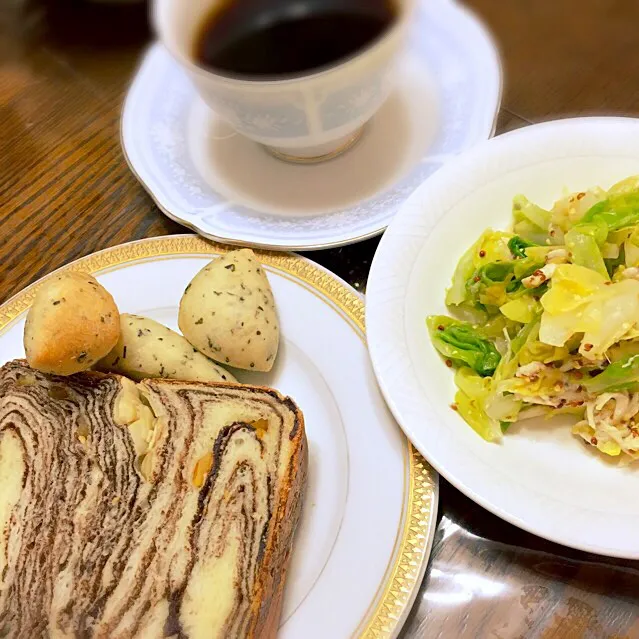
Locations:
(66, 191)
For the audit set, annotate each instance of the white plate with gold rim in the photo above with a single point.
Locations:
(369, 512)
(227, 188)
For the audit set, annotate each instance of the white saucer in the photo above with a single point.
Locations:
(227, 188)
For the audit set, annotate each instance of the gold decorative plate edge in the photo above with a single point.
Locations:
(416, 538)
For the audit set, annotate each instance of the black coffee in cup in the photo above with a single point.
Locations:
(273, 39)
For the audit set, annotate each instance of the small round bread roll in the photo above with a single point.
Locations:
(228, 312)
(72, 323)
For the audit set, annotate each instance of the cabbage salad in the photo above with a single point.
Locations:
(546, 320)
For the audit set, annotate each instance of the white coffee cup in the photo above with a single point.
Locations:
(306, 119)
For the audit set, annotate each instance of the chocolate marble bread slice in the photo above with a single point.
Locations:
(159, 509)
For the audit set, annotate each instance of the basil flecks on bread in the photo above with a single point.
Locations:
(147, 348)
(228, 312)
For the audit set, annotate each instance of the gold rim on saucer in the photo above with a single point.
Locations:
(349, 143)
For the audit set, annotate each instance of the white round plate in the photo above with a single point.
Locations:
(230, 189)
(369, 511)
(540, 477)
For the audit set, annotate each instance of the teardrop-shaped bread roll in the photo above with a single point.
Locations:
(148, 349)
(72, 323)
(228, 312)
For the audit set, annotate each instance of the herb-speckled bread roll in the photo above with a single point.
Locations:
(72, 323)
(228, 313)
(147, 348)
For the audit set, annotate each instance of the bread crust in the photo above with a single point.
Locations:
(269, 593)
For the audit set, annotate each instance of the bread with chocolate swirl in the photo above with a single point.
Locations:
(157, 509)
